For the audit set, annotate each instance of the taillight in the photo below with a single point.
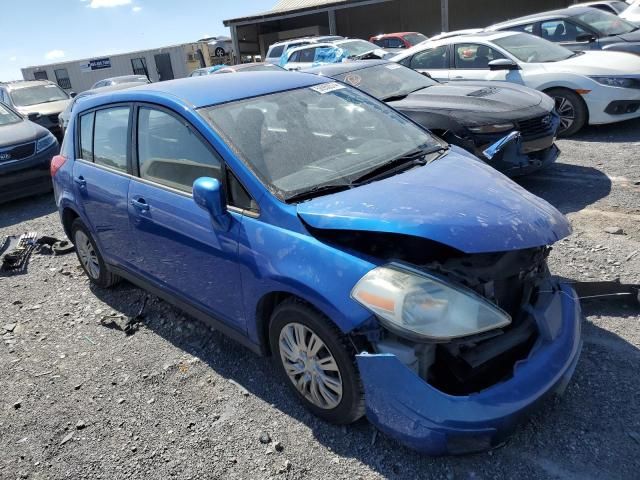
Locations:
(56, 163)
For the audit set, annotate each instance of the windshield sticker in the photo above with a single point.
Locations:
(353, 79)
(327, 87)
(393, 66)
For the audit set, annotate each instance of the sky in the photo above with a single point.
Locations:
(37, 32)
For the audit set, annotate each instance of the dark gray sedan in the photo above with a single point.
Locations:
(579, 28)
(26, 150)
(471, 115)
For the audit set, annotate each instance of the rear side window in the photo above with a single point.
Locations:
(434, 58)
(394, 42)
(170, 153)
(86, 136)
(110, 137)
(276, 51)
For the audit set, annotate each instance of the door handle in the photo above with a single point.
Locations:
(458, 77)
(80, 181)
(140, 204)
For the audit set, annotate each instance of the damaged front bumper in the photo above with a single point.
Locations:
(515, 157)
(408, 409)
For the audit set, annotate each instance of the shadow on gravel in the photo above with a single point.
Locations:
(569, 188)
(567, 438)
(19, 211)
(623, 132)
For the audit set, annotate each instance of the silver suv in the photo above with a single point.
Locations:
(41, 101)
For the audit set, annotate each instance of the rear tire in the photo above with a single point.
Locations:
(572, 110)
(90, 257)
(219, 52)
(317, 361)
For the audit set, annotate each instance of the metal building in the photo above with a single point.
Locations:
(165, 63)
(252, 35)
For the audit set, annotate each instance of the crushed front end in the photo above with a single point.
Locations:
(534, 150)
(467, 393)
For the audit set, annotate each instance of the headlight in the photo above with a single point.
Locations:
(415, 304)
(45, 142)
(620, 82)
(494, 128)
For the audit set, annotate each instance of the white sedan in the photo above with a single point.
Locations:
(632, 13)
(592, 87)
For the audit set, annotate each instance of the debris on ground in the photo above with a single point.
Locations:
(614, 231)
(16, 252)
(127, 324)
(120, 322)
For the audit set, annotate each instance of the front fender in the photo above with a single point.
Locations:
(273, 259)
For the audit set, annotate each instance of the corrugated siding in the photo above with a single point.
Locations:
(286, 5)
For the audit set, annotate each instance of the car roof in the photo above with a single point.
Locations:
(310, 39)
(393, 34)
(112, 88)
(476, 37)
(26, 83)
(332, 69)
(536, 17)
(209, 90)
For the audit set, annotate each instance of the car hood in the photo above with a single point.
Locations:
(21, 132)
(631, 36)
(475, 100)
(45, 108)
(456, 201)
(594, 62)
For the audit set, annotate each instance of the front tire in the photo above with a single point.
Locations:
(317, 361)
(572, 110)
(90, 257)
(219, 52)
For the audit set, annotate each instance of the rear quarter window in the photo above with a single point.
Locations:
(86, 136)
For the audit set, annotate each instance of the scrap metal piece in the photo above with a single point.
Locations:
(606, 289)
(18, 252)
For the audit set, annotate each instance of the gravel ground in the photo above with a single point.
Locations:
(175, 399)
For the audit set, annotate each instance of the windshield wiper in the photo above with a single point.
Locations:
(402, 96)
(413, 158)
(318, 191)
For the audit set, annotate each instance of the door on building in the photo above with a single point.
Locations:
(163, 66)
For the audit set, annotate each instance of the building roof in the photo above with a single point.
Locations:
(208, 90)
(285, 7)
(537, 17)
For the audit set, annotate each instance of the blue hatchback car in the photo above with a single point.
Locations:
(386, 272)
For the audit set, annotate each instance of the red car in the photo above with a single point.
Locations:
(398, 40)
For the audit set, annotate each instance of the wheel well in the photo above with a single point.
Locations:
(68, 216)
(584, 104)
(264, 310)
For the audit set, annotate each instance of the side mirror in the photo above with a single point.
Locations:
(586, 38)
(208, 195)
(427, 74)
(33, 116)
(503, 64)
